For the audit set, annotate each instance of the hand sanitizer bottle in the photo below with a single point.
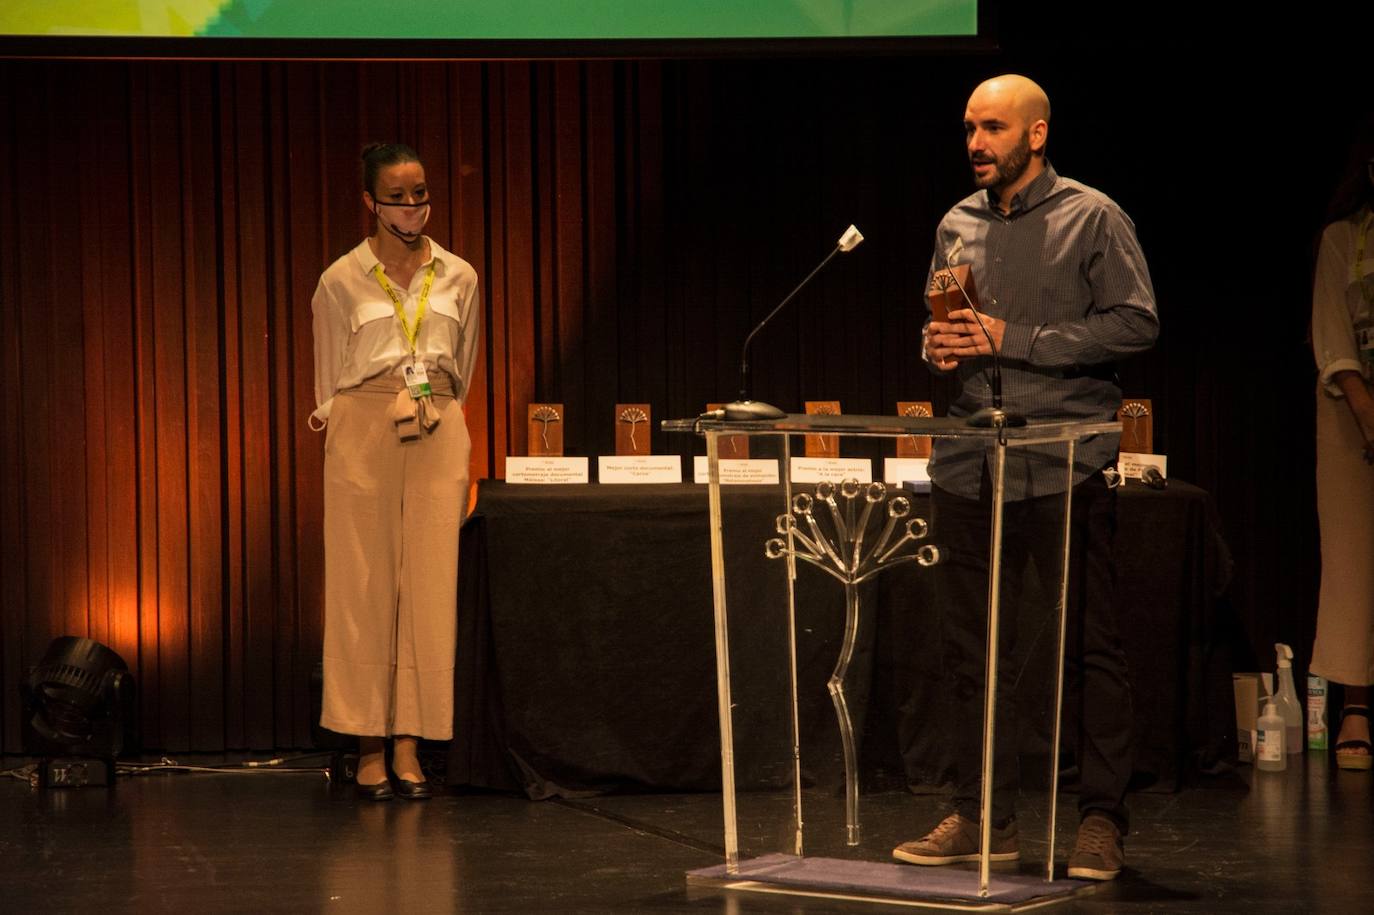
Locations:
(1269, 754)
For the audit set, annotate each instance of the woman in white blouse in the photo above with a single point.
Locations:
(1343, 343)
(396, 336)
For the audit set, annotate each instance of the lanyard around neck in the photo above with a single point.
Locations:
(412, 331)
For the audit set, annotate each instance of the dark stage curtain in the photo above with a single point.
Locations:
(163, 223)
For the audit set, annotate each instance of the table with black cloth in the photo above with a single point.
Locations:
(586, 650)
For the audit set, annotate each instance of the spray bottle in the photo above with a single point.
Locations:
(1269, 739)
(1287, 702)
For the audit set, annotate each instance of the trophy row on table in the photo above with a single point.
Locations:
(634, 462)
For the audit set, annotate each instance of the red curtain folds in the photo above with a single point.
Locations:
(162, 226)
(161, 234)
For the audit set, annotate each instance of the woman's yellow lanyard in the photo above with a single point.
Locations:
(416, 379)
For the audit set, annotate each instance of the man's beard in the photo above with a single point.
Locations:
(1008, 171)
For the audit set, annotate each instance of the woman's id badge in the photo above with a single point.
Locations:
(417, 380)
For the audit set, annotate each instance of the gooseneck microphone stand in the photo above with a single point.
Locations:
(993, 417)
(745, 408)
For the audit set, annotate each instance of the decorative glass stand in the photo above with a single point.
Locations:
(839, 552)
(852, 531)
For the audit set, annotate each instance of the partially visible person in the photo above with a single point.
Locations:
(396, 336)
(1343, 344)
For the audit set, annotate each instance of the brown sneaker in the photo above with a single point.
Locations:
(956, 839)
(1099, 853)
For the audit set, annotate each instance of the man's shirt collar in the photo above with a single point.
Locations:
(1029, 196)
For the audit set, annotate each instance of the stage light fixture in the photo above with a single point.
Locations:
(79, 703)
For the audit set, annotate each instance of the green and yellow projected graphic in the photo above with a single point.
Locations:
(123, 18)
(493, 19)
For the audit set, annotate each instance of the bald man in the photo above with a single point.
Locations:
(1065, 294)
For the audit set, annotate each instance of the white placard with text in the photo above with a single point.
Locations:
(900, 470)
(737, 472)
(546, 470)
(1131, 465)
(836, 470)
(645, 468)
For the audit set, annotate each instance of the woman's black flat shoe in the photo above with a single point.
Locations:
(413, 791)
(378, 792)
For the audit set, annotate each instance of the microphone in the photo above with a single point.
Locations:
(993, 417)
(745, 409)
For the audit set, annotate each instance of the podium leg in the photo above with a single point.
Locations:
(727, 733)
(990, 690)
(1063, 605)
(798, 829)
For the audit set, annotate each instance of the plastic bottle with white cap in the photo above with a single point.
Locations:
(1269, 734)
(1287, 701)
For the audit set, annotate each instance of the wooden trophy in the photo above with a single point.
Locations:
(545, 430)
(913, 446)
(944, 294)
(1137, 426)
(632, 429)
(732, 447)
(823, 446)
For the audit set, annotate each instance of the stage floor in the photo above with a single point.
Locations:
(1299, 841)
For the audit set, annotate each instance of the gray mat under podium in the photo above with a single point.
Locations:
(937, 886)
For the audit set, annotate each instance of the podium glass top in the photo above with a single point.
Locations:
(858, 424)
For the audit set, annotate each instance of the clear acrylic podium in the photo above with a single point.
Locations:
(774, 589)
